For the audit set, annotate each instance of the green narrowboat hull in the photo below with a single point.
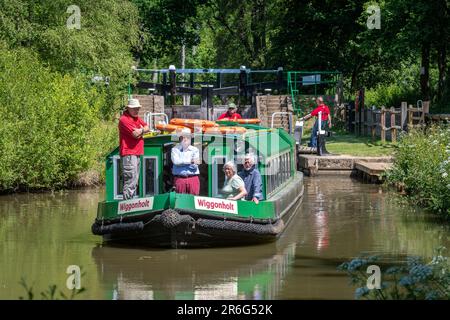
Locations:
(183, 220)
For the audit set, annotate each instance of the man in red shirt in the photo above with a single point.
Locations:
(326, 120)
(231, 114)
(131, 130)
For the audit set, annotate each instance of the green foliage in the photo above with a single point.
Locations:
(422, 168)
(167, 25)
(315, 35)
(49, 68)
(391, 95)
(400, 85)
(54, 128)
(414, 281)
(306, 35)
(48, 124)
(109, 32)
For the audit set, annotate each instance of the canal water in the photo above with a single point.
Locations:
(340, 218)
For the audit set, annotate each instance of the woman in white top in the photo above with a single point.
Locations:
(234, 187)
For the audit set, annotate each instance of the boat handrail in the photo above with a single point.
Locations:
(282, 113)
(148, 118)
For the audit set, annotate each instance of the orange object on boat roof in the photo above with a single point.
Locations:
(170, 127)
(191, 123)
(242, 121)
(225, 130)
(249, 121)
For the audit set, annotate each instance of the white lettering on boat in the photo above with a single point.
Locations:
(211, 204)
(135, 205)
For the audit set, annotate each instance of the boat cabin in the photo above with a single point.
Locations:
(274, 150)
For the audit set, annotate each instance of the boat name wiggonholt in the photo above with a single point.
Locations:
(212, 204)
(133, 205)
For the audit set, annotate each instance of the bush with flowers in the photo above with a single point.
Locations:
(422, 168)
(414, 280)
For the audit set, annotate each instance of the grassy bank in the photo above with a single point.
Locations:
(422, 168)
(344, 143)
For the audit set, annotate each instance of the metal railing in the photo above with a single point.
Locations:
(291, 119)
(148, 118)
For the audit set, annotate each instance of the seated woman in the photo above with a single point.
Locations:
(234, 187)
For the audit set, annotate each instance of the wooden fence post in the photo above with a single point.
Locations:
(363, 123)
(393, 126)
(204, 102)
(425, 110)
(404, 115)
(410, 117)
(383, 125)
(366, 122)
(373, 128)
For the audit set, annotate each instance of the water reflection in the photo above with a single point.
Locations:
(344, 218)
(226, 273)
(42, 234)
(321, 225)
(320, 215)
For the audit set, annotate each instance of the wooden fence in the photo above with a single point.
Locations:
(388, 123)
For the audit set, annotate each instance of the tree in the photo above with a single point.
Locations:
(102, 46)
(167, 26)
(421, 27)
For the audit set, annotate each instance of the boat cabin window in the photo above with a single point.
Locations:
(167, 169)
(118, 178)
(151, 180)
(218, 177)
(278, 171)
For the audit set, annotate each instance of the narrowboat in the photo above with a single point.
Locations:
(159, 216)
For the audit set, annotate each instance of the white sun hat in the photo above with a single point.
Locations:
(133, 103)
(185, 132)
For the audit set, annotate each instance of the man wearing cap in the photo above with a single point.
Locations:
(131, 130)
(231, 114)
(185, 159)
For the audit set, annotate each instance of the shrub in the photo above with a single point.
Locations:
(422, 168)
(401, 85)
(48, 124)
(390, 95)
